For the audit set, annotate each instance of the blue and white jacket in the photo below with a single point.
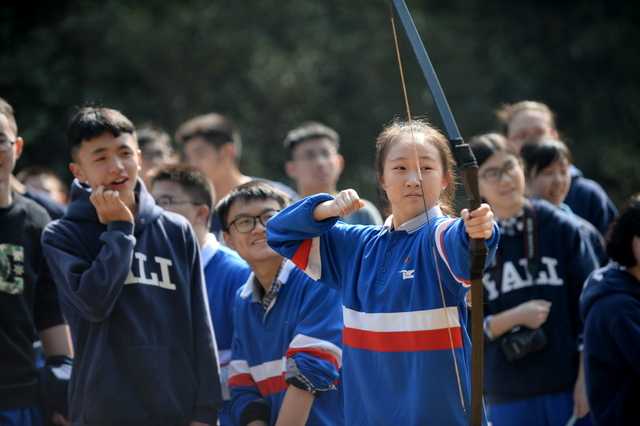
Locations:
(297, 338)
(399, 333)
(224, 273)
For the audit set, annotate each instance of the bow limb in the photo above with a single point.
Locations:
(469, 169)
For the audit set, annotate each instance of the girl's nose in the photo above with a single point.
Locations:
(412, 179)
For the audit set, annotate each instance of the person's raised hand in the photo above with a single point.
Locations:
(344, 203)
(109, 206)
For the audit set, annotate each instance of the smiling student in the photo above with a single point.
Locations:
(287, 337)
(406, 349)
(547, 164)
(532, 360)
(530, 120)
(130, 282)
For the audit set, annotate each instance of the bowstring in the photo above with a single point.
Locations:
(424, 202)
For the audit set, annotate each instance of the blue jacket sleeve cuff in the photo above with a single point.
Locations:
(122, 226)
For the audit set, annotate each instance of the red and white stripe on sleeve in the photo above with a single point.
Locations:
(307, 258)
(268, 377)
(319, 348)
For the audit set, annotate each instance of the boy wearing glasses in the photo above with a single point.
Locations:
(315, 165)
(286, 354)
(28, 301)
(130, 283)
(185, 190)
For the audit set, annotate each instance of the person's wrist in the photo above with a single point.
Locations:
(517, 317)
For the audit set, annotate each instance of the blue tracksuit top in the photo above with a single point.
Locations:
(399, 335)
(224, 273)
(298, 336)
(610, 307)
(588, 200)
(563, 263)
(134, 298)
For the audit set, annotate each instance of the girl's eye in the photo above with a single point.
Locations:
(399, 168)
(99, 159)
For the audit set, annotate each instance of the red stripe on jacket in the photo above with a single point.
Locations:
(327, 356)
(301, 256)
(403, 341)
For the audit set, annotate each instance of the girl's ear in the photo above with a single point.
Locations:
(381, 183)
(445, 183)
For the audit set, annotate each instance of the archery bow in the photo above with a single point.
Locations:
(469, 169)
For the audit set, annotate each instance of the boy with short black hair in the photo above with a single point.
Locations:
(28, 299)
(131, 287)
(212, 143)
(315, 165)
(185, 190)
(287, 354)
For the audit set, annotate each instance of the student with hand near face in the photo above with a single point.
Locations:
(130, 281)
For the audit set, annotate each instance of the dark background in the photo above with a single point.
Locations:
(271, 64)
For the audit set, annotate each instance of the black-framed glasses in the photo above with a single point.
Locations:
(6, 143)
(165, 201)
(494, 174)
(246, 224)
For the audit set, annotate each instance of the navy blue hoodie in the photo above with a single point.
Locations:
(135, 301)
(563, 263)
(588, 200)
(610, 306)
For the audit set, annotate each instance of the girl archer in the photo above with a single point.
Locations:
(406, 350)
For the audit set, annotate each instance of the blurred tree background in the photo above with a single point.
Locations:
(271, 64)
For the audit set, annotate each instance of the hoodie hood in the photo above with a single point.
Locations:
(81, 210)
(612, 279)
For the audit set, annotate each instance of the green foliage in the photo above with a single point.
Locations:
(271, 64)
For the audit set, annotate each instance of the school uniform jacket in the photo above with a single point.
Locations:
(135, 301)
(224, 273)
(400, 338)
(297, 339)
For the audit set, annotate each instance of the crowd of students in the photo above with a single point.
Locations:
(171, 288)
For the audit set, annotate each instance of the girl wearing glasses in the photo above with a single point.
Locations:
(531, 295)
(406, 351)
